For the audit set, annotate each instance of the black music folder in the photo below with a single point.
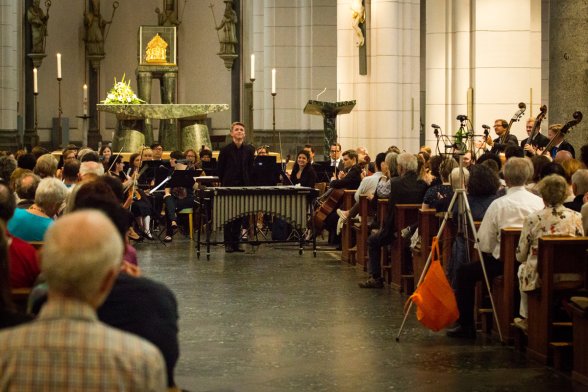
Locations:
(266, 171)
(324, 171)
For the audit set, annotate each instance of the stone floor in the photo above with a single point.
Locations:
(277, 321)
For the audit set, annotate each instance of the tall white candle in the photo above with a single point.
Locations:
(35, 84)
(273, 80)
(85, 100)
(252, 67)
(58, 65)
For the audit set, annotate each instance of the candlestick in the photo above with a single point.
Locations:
(35, 84)
(274, 113)
(58, 142)
(252, 77)
(59, 66)
(273, 80)
(36, 113)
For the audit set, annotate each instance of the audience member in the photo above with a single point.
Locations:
(71, 173)
(580, 189)
(437, 193)
(7, 166)
(31, 224)
(25, 189)
(507, 211)
(27, 161)
(553, 220)
(9, 316)
(46, 166)
(90, 170)
(23, 259)
(67, 348)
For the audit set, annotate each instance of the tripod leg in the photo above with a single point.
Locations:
(483, 264)
(428, 263)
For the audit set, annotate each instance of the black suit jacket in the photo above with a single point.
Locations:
(407, 189)
(565, 146)
(350, 181)
(539, 141)
(511, 140)
(234, 167)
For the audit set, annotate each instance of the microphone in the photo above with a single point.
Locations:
(461, 117)
(435, 126)
(485, 126)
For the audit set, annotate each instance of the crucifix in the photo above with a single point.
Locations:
(358, 25)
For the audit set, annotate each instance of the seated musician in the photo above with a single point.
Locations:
(499, 144)
(405, 189)
(348, 178)
(553, 220)
(117, 169)
(557, 141)
(157, 150)
(539, 141)
(141, 207)
(302, 172)
(506, 211)
(193, 159)
(205, 154)
(176, 198)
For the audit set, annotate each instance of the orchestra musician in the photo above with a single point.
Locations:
(176, 198)
(556, 139)
(303, 173)
(140, 207)
(540, 140)
(504, 138)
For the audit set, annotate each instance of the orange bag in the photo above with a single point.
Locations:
(434, 298)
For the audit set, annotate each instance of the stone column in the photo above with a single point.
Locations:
(9, 72)
(568, 66)
(144, 80)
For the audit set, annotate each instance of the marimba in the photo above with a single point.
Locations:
(222, 205)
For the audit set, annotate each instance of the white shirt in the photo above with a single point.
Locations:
(368, 185)
(506, 211)
(335, 162)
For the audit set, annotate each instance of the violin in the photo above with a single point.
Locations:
(536, 127)
(565, 129)
(516, 117)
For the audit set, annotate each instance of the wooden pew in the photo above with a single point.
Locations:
(20, 297)
(580, 343)
(505, 287)
(402, 276)
(384, 253)
(361, 232)
(347, 240)
(556, 255)
(428, 228)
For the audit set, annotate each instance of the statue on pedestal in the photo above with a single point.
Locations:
(95, 28)
(38, 21)
(169, 16)
(228, 39)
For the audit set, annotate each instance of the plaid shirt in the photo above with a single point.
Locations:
(68, 349)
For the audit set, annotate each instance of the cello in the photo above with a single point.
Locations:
(333, 198)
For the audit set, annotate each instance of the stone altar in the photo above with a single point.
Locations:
(130, 128)
(329, 111)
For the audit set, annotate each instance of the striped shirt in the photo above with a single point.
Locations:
(68, 349)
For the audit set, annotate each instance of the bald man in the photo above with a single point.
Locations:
(67, 348)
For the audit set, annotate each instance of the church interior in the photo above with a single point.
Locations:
(378, 76)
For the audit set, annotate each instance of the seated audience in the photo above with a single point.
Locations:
(71, 173)
(579, 188)
(27, 161)
(23, 259)
(553, 220)
(67, 348)
(7, 166)
(437, 193)
(406, 189)
(506, 211)
(31, 224)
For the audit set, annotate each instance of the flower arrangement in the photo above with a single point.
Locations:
(122, 94)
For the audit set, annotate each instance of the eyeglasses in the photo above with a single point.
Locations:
(334, 150)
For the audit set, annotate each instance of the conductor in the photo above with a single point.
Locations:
(235, 163)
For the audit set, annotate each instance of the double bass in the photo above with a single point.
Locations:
(516, 117)
(531, 140)
(564, 130)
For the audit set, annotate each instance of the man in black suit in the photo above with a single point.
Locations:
(539, 141)
(405, 189)
(335, 156)
(235, 163)
(499, 145)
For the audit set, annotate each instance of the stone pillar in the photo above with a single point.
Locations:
(168, 130)
(568, 66)
(94, 136)
(144, 80)
(8, 69)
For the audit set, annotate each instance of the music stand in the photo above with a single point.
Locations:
(209, 167)
(266, 171)
(324, 171)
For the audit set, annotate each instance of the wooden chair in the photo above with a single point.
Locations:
(20, 297)
(384, 253)
(580, 343)
(505, 287)
(402, 276)
(556, 255)
(190, 213)
(37, 244)
(347, 241)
